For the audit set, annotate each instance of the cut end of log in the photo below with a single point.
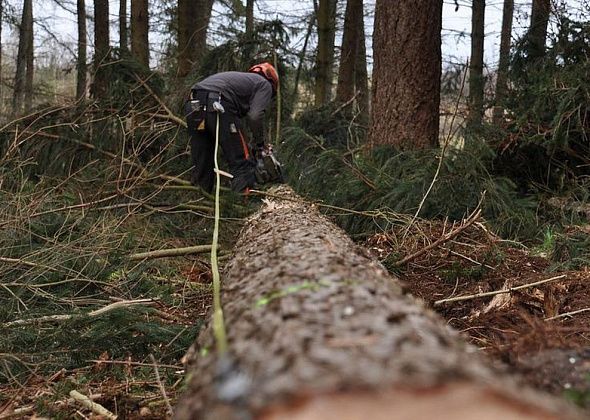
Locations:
(459, 401)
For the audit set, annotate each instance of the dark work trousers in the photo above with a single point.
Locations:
(202, 126)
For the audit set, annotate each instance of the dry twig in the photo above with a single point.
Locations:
(497, 292)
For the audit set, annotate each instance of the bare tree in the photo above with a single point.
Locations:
(476, 80)
(140, 47)
(352, 74)
(123, 25)
(502, 77)
(326, 15)
(101, 47)
(23, 79)
(406, 74)
(537, 35)
(82, 67)
(193, 20)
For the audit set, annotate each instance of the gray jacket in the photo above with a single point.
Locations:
(249, 93)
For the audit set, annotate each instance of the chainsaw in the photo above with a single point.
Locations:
(268, 168)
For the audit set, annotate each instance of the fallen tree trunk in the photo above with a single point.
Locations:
(319, 330)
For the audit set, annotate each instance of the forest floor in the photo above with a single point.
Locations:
(513, 328)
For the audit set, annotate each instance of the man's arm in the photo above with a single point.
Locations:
(260, 101)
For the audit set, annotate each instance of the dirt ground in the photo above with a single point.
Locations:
(550, 354)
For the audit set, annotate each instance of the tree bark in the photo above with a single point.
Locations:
(193, 21)
(82, 45)
(352, 73)
(140, 47)
(476, 80)
(502, 76)
(326, 15)
(249, 18)
(406, 74)
(101, 48)
(537, 35)
(123, 43)
(23, 79)
(317, 329)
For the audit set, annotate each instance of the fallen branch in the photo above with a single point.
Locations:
(91, 405)
(170, 252)
(161, 385)
(65, 317)
(579, 311)
(497, 292)
(445, 238)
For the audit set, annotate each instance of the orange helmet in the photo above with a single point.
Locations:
(267, 71)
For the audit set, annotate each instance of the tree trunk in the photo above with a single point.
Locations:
(24, 71)
(352, 74)
(502, 77)
(140, 47)
(1, 74)
(123, 25)
(101, 48)
(476, 80)
(302, 57)
(249, 18)
(326, 15)
(30, 58)
(317, 329)
(537, 35)
(406, 74)
(82, 43)
(193, 21)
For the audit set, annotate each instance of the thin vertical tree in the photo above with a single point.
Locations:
(81, 65)
(123, 44)
(193, 21)
(326, 17)
(476, 79)
(23, 78)
(101, 47)
(406, 74)
(537, 34)
(352, 73)
(502, 76)
(1, 79)
(140, 31)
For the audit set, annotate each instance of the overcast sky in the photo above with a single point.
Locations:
(456, 24)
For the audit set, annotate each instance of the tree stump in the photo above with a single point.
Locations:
(318, 329)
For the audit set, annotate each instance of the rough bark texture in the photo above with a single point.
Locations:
(81, 65)
(317, 329)
(476, 80)
(352, 77)
(140, 47)
(406, 74)
(101, 47)
(123, 44)
(193, 20)
(502, 77)
(537, 35)
(23, 79)
(326, 15)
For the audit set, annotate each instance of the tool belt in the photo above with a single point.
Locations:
(199, 103)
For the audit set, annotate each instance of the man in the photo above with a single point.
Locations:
(240, 94)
